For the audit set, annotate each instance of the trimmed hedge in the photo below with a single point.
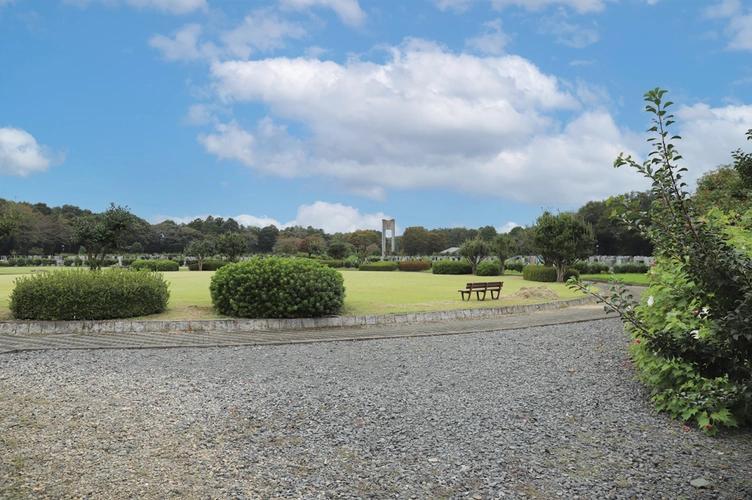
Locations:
(155, 265)
(514, 266)
(209, 265)
(545, 274)
(487, 269)
(594, 268)
(414, 265)
(333, 262)
(275, 287)
(88, 295)
(635, 268)
(452, 267)
(379, 266)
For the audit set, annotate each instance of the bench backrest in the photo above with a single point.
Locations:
(493, 284)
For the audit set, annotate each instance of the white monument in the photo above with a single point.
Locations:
(386, 225)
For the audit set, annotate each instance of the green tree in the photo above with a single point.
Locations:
(503, 246)
(562, 240)
(201, 250)
(722, 188)
(487, 233)
(475, 251)
(312, 245)
(416, 240)
(337, 250)
(232, 245)
(103, 233)
(267, 238)
(10, 222)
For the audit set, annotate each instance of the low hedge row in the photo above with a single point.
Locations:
(487, 269)
(379, 266)
(514, 266)
(414, 265)
(452, 267)
(545, 274)
(594, 268)
(155, 265)
(209, 265)
(336, 263)
(635, 268)
(88, 295)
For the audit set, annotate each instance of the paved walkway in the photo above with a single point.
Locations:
(158, 340)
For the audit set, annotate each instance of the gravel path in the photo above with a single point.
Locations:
(544, 412)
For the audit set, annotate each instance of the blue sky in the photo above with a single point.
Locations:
(338, 113)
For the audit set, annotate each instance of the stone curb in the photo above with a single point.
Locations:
(26, 328)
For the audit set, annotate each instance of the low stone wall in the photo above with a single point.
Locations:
(249, 325)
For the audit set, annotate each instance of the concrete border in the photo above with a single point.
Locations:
(29, 328)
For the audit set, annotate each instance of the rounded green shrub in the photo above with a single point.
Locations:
(414, 265)
(379, 266)
(274, 287)
(488, 269)
(155, 265)
(452, 267)
(545, 274)
(88, 295)
(209, 265)
(514, 266)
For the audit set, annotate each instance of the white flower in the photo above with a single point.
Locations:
(695, 334)
(705, 311)
(650, 301)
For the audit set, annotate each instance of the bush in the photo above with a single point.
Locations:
(49, 262)
(352, 261)
(209, 265)
(379, 266)
(488, 269)
(128, 262)
(452, 267)
(514, 266)
(414, 265)
(637, 268)
(17, 262)
(332, 262)
(155, 265)
(4, 263)
(277, 288)
(545, 274)
(37, 261)
(88, 295)
(73, 261)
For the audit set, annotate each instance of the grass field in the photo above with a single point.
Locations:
(365, 292)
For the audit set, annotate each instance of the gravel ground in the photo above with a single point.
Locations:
(546, 412)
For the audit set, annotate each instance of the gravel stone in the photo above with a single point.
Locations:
(544, 412)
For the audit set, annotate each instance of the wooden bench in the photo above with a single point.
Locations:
(494, 287)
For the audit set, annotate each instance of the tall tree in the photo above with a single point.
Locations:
(475, 251)
(232, 245)
(267, 237)
(503, 246)
(416, 240)
(105, 233)
(562, 240)
(201, 249)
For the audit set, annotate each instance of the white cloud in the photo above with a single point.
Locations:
(349, 11)
(331, 217)
(739, 27)
(580, 6)
(507, 227)
(426, 118)
(184, 45)
(709, 135)
(21, 155)
(335, 217)
(260, 31)
(167, 6)
(572, 35)
(492, 40)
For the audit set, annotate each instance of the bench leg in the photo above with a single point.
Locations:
(463, 295)
(478, 294)
(498, 293)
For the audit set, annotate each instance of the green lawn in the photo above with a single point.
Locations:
(630, 278)
(365, 292)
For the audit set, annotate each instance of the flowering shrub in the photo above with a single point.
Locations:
(692, 331)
